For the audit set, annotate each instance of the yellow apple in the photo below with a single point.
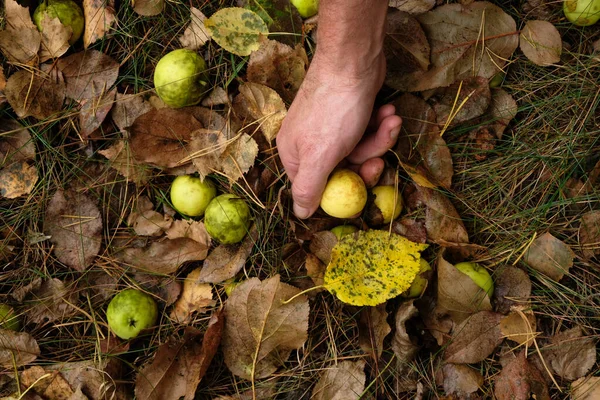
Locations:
(345, 194)
(190, 195)
(389, 202)
(582, 12)
(419, 285)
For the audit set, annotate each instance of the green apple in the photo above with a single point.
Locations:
(130, 312)
(227, 218)
(180, 78)
(306, 8)
(582, 12)
(389, 202)
(342, 230)
(67, 11)
(8, 318)
(190, 195)
(345, 194)
(478, 274)
(419, 285)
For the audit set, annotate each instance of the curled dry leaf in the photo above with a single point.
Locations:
(196, 296)
(49, 385)
(518, 380)
(322, 244)
(587, 388)
(463, 100)
(75, 225)
(315, 270)
(550, 256)
(179, 365)
(541, 43)
(55, 38)
(503, 109)
(405, 46)
(239, 157)
(589, 234)
(52, 301)
(413, 6)
(17, 179)
(225, 261)
(474, 339)
(461, 380)
(194, 230)
(37, 95)
(99, 16)
(196, 34)
(265, 106)
(88, 73)
(512, 287)
(260, 329)
(121, 159)
(17, 349)
(372, 329)
(237, 30)
(20, 40)
(403, 347)
(279, 67)
(570, 354)
(519, 326)
(94, 111)
(127, 108)
(151, 223)
(344, 381)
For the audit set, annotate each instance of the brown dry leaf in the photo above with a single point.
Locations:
(518, 380)
(15, 142)
(17, 349)
(51, 301)
(159, 137)
(179, 365)
(279, 67)
(541, 43)
(503, 109)
(196, 297)
(512, 287)
(37, 95)
(94, 111)
(127, 108)
(260, 329)
(20, 39)
(587, 388)
(152, 223)
(17, 179)
(239, 157)
(207, 147)
(405, 46)
(372, 328)
(99, 16)
(265, 106)
(474, 339)
(589, 234)
(225, 261)
(413, 6)
(403, 347)
(194, 230)
(344, 381)
(49, 385)
(218, 96)
(519, 326)
(164, 257)
(550, 256)
(55, 38)
(315, 269)
(123, 162)
(472, 95)
(99, 380)
(88, 73)
(457, 49)
(539, 9)
(321, 245)
(461, 380)
(75, 225)
(2, 86)
(196, 34)
(570, 354)
(412, 229)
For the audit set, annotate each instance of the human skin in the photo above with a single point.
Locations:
(326, 123)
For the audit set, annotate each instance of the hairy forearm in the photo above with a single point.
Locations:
(350, 35)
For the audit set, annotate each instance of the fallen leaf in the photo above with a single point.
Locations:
(461, 380)
(88, 73)
(196, 297)
(512, 287)
(322, 244)
(17, 16)
(17, 349)
(127, 108)
(315, 269)
(503, 109)
(54, 38)
(538, 9)
(194, 230)
(225, 261)
(402, 345)
(206, 148)
(15, 142)
(474, 339)
(94, 111)
(99, 16)
(75, 225)
(587, 388)
(37, 95)
(519, 326)
(196, 34)
(281, 17)
(218, 96)
(589, 234)
(405, 46)
(463, 101)
(518, 379)
(99, 380)
(550, 256)
(279, 67)
(179, 365)
(344, 381)
(238, 157)
(20, 40)
(2, 86)
(152, 223)
(50, 385)
(164, 257)
(260, 329)
(148, 8)
(237, 30)
(413, 6)
(372, 328)
(121, 159)
(457, 49)
(371, 267)
(412, 229)
(458, 295)
(17, 179)
(52, 301)
(541, 43)
(570, 354)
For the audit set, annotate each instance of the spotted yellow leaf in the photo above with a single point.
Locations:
(371, 267)
(237, 30)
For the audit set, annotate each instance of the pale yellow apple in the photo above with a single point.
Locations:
(582, 12)
(190, 195)
(389, 202)
(345, 194)
(419, 285)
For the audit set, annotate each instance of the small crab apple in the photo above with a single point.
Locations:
(130, 312)
(345, 194)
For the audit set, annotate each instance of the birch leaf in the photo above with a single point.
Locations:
(237, 30)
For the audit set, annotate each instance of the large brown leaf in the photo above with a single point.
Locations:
(38, 95)
(99, 380)
(463, 100)
(344, 381)
(17, 349)
(121, 159)
(148, 8)
(75, 225)
(541, 43)
(587, 388)
(179, 365)
(99, 16)
(50, 385)
(475, 339)
(512, 287)
(196, 34)
(571, 355)
(51, 301)
(550, 256)
(589, 234)
(265, 106)
(239, 157)
(55, 38)
(20, 39)
(405, 46)
(461, 380)
(372, 328)
(94, 111)
(127, 108)
(196, 297)
(15, 142)
(519, 379)
(88, 73)
(260, 329)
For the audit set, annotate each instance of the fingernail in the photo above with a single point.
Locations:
(394, 133)
(301, 212)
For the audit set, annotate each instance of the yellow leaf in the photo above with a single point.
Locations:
(237, 30)
(371, 267)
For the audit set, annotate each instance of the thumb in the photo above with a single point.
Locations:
(308, 185)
